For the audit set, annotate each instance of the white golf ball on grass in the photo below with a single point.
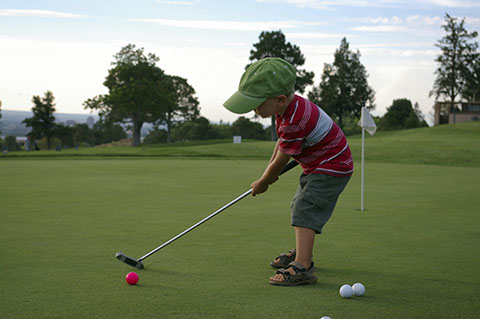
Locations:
(358, 289)
(346, 291)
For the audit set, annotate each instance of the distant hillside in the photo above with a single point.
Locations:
(11, 121)
(445, 145)
(449, 144)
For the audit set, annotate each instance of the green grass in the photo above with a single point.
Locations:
(198, 149)
(415, 248)
(449, 145)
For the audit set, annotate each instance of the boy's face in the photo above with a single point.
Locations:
(271, 106)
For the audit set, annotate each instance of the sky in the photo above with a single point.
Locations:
(67, 46)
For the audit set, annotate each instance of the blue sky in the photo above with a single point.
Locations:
(67, 46)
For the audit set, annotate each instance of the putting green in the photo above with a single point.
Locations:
(415, 248)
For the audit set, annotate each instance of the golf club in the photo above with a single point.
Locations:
(137, 263)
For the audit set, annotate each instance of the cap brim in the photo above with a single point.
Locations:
(241, 104)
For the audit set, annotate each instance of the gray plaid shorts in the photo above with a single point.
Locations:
(315, 199)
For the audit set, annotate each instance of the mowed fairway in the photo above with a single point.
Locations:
(416, 248)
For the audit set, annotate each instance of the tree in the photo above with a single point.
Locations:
(471, 91)
(401, 115)
(156, 136)
(43, 120)
(136, 90)
(248, 129)
(198, 129)
(344, 89)
(65, 134)
(221, 130)
(106, 131)
(453, 62)
(273, 44)
(11, 143)
(83, 134)
(181, 104)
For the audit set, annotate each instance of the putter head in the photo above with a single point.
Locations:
(129, 260)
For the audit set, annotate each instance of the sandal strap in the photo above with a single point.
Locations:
(292, 253)
(285, 273)
(298, 267)
(300, 273)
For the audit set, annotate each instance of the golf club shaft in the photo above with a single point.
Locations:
(287, 167)
(197, 224)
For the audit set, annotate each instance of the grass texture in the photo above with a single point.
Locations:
(415, 248)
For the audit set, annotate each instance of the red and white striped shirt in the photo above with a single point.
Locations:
(311, 137)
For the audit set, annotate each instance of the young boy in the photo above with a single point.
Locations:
(309, 135)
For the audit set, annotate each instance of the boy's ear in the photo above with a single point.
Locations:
(282, 99)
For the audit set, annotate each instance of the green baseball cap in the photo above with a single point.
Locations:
(262, 80)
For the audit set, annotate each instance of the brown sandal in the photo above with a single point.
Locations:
(301, 276)
(284, 259)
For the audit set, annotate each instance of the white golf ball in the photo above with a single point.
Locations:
(346, 291)
(358, 289)
(325, 318)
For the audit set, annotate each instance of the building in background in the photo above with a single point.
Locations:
(460, 112)
(90, 121)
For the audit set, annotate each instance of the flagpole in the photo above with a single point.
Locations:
(363, 165)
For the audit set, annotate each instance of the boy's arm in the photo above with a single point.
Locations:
(271, 173)
(274, 151)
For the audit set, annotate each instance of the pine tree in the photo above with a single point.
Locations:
(43, 120)
(454, 61)
(344, 89)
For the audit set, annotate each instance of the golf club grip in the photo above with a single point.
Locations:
(288, 167)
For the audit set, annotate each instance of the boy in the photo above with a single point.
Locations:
(307, 134)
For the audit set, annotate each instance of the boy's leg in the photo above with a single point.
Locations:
(305, 238)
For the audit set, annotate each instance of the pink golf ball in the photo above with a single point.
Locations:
(132, 278)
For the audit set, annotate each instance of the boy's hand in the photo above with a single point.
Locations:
(259, 187)
(270, 176)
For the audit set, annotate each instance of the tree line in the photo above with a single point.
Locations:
(46, 132)
(140, 92)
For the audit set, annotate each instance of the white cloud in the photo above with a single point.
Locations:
(180, 2)
(424, 20)
(314, 35)
(326, 4)
(37, 13)
(224, 25)
(380, 28)
(415, 24)
(473, 21)
(414, 19)
(323, 4)
(454, 3)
